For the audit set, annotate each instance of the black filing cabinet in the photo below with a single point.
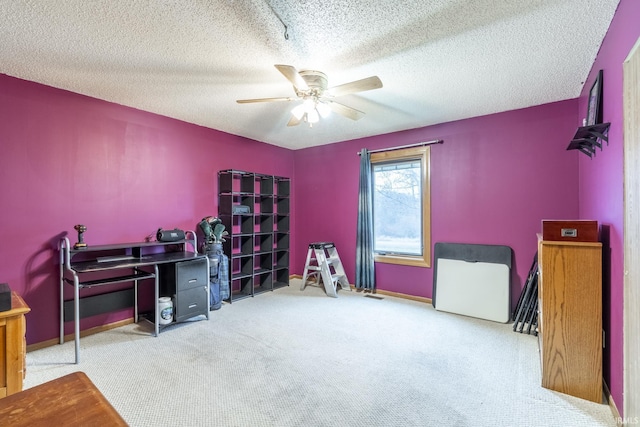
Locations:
(186, 282)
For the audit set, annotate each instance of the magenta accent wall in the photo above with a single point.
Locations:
(601, 185)
(492, 182)
(67, 159)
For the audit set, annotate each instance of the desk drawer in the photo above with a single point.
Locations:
(191, 302)
(191, 274)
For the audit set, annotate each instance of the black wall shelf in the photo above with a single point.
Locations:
(588, 138)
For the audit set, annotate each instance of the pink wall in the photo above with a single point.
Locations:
(67, 159)
(492, 182)
(601, 184)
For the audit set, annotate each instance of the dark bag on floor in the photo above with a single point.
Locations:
(215, 302)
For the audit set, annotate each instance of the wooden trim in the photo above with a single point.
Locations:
(631, 204)
(572, 244)
(383, 292)
(402, 260)
(70, 337)
(404, 296)
(424, 155)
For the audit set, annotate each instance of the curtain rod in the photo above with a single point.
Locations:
(418, 144)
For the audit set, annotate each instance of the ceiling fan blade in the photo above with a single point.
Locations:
(293, 76)
(341, 109)
(369, 83)
(294, 121)
(248, 101)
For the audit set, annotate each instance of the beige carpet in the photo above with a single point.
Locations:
(292, 358)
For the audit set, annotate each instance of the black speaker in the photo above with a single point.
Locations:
(169, 235)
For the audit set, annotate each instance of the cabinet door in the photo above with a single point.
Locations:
(570, 291)
(192, 302)
(191, 274)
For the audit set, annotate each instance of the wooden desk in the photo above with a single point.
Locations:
(72, 400)
(12, 346)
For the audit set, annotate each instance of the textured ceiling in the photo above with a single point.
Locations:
(439, 60)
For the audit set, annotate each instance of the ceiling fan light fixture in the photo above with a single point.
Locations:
(323, 109)
(298, 111)
(312, 116)
(309, 104)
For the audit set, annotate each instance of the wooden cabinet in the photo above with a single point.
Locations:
(13, 328)
(570, 317)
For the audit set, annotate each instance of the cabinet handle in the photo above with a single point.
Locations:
(193, 305)
(193, 280)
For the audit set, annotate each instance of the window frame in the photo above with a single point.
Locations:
(423, 154)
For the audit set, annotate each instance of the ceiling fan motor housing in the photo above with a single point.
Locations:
(316, 81)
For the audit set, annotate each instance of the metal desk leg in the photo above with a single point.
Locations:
(76, 315)
(135, 301)
(64, 249)
(61, 303)
(155, 302)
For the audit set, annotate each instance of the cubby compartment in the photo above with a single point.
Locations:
(263, 243)
(282, 241)
(266, 204)
(263, 263)
(263, 282)
(281, 259)
(241, 287)
(264, 184)
(281, 278)
(282, 186)
(264, 224)
(281, 223)
(282, 205)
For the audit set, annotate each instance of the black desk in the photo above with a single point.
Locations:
(131, 258)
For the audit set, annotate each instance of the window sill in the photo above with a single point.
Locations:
(413, 261)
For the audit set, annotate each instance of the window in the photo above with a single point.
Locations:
(401, 206)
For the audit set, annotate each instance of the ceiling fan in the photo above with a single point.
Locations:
(311, 87)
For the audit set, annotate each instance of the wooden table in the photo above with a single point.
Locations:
(72, 400)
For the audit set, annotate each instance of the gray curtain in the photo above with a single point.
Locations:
(365, 268)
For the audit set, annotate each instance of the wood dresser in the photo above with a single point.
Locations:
(570, 317)
(13, 328)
